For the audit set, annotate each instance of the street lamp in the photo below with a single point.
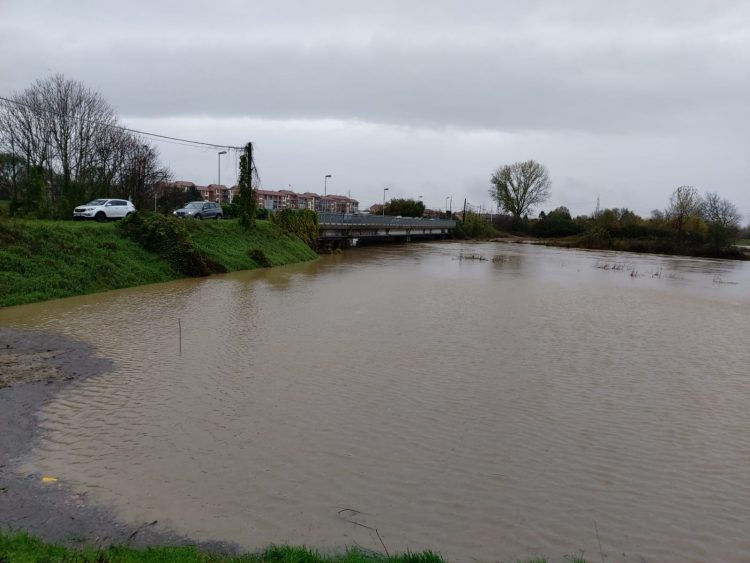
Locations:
(325, 190)
(384, 190)
(218, 185)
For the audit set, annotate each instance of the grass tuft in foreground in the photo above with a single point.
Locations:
(23, 548)
(19, 547)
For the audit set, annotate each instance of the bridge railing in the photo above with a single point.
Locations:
(382, 220)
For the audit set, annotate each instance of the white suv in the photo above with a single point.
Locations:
(103, 209)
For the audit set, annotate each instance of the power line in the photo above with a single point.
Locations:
(166, 138)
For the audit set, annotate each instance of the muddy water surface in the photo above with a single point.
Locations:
(539, 404)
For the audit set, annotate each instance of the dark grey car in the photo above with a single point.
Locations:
(200, 210)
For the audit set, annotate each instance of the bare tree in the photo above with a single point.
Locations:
(684, 203)
(520, 186)
(71, 138)
(723, 218)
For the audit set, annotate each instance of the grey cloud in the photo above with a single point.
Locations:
(550, 74)
(625, 100)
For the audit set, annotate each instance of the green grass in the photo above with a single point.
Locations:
(42, 260)
(19, 547)
(23, 548)
(228, 244)
(743, 242)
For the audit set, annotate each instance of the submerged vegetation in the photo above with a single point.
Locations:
(50, 259)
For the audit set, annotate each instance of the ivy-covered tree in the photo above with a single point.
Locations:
(245, 200)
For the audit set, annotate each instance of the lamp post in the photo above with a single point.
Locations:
(325, 190)
(218, 185)
(384, 190)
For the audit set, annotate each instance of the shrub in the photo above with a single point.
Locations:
(168, 238)
(259, 256)
(474, 226)
(302, 223)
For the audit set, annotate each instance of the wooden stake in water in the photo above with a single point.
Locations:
(179, 328)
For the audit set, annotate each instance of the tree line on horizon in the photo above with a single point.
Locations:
(689, 218)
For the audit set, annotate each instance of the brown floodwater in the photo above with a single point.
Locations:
(539, 402)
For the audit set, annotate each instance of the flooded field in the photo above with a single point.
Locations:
(487, 401)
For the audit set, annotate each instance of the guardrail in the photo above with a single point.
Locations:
(383, 220)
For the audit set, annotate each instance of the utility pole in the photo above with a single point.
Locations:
(463, 220)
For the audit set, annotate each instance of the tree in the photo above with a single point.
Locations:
(404, 208)
(556, 223)
(245, 200)
(722, 217)
(73, 148)
(685, 206)
(520, 186)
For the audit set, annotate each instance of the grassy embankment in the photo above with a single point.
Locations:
(23, 548)
(42, 260)
(649, 246)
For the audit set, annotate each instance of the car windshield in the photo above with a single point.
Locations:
(97, 202)
(194, 205)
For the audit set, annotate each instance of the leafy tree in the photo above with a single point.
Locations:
(556, 223)
(520, 186)
(404, 208)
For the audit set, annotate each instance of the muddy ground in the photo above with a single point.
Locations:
(34, 366)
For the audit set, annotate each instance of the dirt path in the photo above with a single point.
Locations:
(34, 366)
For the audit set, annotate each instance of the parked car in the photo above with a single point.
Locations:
(200, 210)
(103, 209)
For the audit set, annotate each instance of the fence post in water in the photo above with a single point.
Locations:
(179, 332)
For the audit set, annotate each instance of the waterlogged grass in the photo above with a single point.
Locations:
(230, 245)
(42, 260)
(20, 547)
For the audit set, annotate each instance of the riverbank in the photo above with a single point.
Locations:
(649, 246)
(44, 260)
(35, 366)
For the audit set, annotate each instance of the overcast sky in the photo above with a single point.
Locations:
(624, 100)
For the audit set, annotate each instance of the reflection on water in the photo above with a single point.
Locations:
(485, 409)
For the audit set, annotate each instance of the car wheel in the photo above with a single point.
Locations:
(128, 214)
(198, 217)
(100, 217)
(218, 216)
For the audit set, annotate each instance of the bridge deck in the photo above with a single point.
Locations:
(382, 221)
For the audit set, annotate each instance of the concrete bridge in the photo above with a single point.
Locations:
(344, 229)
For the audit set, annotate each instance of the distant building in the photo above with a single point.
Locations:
(287, 199)
(212, 192)
(270, 199)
